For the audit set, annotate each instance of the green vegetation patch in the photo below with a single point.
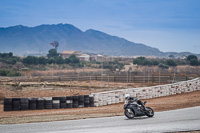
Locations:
(9, 73)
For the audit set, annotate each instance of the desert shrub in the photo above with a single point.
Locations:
(155, 62)
(74, 59)
(6, 55)
(191, 57)
(52, 53)
(194, 62)
(171, 63)
(9, 73)
(145, 62)
(113, 66)
(163, 66)
(59, 60)
(140, 61)
(30, 60)
(3, 72)
(9, 60)
(42, 60)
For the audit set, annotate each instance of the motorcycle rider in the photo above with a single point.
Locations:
(134, 107)
(139, 102)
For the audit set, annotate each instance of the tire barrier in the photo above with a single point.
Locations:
(63, 102)
(86, 101)
(69, 102)
(32, 103)
(8, 104)
(56, 102)
(91, 101)
(75, 101)
(118, 96)
(24, 103)
(48, 102)
(40, 103)
(16, 104)
(81, 101)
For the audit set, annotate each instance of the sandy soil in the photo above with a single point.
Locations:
(59, 89)
(158, 104)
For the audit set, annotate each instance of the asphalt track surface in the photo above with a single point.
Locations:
(168, 121)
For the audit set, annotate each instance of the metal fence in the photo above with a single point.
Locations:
(103, 78)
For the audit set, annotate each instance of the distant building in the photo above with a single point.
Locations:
(184, 57)
(67, 54)
(98, 58)
(84, 57)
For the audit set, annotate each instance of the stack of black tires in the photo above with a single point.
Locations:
(24, 104)
(69, 102)
(16, 104)
(48, 103)
(75, 101)
(40, 103)
(32, 103)
(81, 101)
(56, 102)
(91, 101)
(8, 104)
(62, 102)
(86, 101)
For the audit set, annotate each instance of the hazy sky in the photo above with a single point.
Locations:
(169, 25)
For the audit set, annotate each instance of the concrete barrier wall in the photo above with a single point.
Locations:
(118, 96)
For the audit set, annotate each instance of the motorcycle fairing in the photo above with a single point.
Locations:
(135, 108)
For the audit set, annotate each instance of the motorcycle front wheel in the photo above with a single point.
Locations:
(129, 113)
(149, 112)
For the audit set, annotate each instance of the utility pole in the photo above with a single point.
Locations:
(70, 87)
(159, 76)
(90, 85)
(102, 70)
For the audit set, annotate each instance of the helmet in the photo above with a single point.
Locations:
(127, 95)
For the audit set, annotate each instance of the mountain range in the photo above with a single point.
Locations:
(23, 40)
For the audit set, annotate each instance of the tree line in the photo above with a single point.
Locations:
(52, 58)
(166, 63)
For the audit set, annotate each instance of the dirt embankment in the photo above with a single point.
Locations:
(158, 104)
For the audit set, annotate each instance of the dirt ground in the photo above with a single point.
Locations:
(158, 104)
(59, 89)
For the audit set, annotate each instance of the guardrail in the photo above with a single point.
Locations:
(117, 96)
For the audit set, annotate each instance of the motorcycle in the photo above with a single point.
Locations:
(135, 108)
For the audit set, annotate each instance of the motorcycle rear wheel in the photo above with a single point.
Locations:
(129, 113)
(149, 112)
